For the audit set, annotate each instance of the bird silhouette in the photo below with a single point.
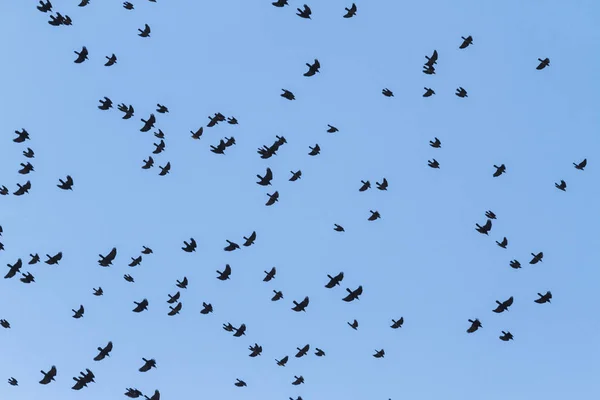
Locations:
(536, 258)
(145, 32)
(504, 305)
(302, 305)
(270, 275)
(579, 166)
(305, 13)
(506, 336)
(562, 186)
(81, 55)
(544, 298)
(224, 275)
(353, 294)
(313, 68)
(475, 324)
(397, 324)
(504, 243)
(104, 352)
(467, 41)
(353, 325)
(543, 63)
(350, 12)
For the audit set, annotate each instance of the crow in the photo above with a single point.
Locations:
(295, 175)
(543, 63)
(175, 310)
(475, 324)
(81, 55)
(544, 298)
(353, 294)
(112, 60)
(189, 247)
(148, 124)
(350, 12)
(249, 241)
(300, 306)
(141, 306)
(466, 42)
(304, 13)
(579, 166)
(224, 275)
(265, 180)
(48, 376)
(272, 198)
(504, 305)
(334, 280)
(504, 243)
(79, 312)
(183, 283)
(270, 275)
(397, 324)
(145, 32)
(66, 184)
(107, 260)
(486, 228)
(104, 352)
(148, 364)
(313, 69)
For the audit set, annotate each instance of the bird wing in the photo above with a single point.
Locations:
(227, 270)
(508, 302)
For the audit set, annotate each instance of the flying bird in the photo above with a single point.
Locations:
(249, 241)
(302, 351)
(22, 136)
(387, 92)
(338, 228)
(141, 306)
(304, 13)
(66, 184)
(543, 63)
(374, 215)
(98, 292)
(383, 185)
(467, 41)
(282, 362)
(506, 336)
(353, 294)
(301, 306)
(148, 364)
(189, 247)
(127, 110)
(13, 269)
(165, 170)
(581, 165)
(149, 163)
(461, 92)
(270, 275)
(475, 324)
(313, 69)
(272, 198)
(183, 283)
(562, 186)
(196, 135)
(515, 264)
(224, 275)
(265, 180)
(436, 144)
(280, 3)
(433, 163)
(104, 352)
(148, 124)
(503, 244)
(48, 376)
(112, 60)
(332, 129)
(79, 312)
(536, 258)
(428, 92)
(432, 60)
(81, 55)
(145, 32)
(379, 353)
(314, 150)
(334, 280)
(288, 95)
(397, 324)
(350, 12)
(175, 310)
(295, 175)
(207, 308)
(486, 228)
(161, 108)
(45, 6)
(174, 298)
(53, 260)
(353, 325)
(231, 246)
(240, 383)
(278, 295)
(499, 170)
(107, 260)
(544, 298)
(504, 305)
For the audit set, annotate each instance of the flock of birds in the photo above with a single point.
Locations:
(267, 151)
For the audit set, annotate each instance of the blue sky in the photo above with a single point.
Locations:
(422, 260)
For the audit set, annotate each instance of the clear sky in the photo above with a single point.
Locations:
(422, 260)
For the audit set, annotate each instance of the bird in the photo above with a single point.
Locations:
(397, 324)
(135, 261)
(436, 144)
(504, 243)
(189, 247)
(461, 92)
(225, 274)
(240, 383)
(148, 124)
(272, 198)
(112, 60)
(432, 60)
(353, 325)
(387, 92)
(161, 108)
(295, 175)
(48, 376)
(305, 13)
(353, 294)
(383, 185)
(265, 180)
(229, 141)
(165, 170)
(467, 41)
(149, 163)
(4, 323)
(490, 214)
(196, 135)
(127, 5)
(107, 260)
(128, 278)
(98, 292)
(104, 352)
(298, 380)
(499, 170)
(27, 278)
(128, 110)
(79, 312)
(133, 393)
(313, 68)
(332, 129)
(27, 168)
(428, 92)
(350, 12)
(506, 336)
(338, 228)
(29, 153)
(302, 305)
(475, 324)
(175, 310)
(536, 258)
(288, 95)
(280, 3)
(365, 185)
(159, 147)
(182, 284)
(319, 352)
(429, 70)
(155, 396)
(231, 246)
(83, 380)
(53, 260)
(160, 134)
(486, 228)
(256, 350)
(302, 351)
(13, 382)
(278, 295)
(232, 121)
(84, 3)
(22, 189)
(141, 306)
(4, 191)
(580, 166)
(562, 186)
(282, 362)
(174, 298)
(379, 353)
(22, 136)
(13, 269)
(433, 163)
(228, 327)
(45, 6)
(515, 264)
(374, 215)
(543, 63)
(81, 55)
(504, 305)
(145, 32)
(67, 184)
(146, 250)
(314, 150)
(270, 275)
(207, 308)
(240, 331)
(249, 241)
(148, 364)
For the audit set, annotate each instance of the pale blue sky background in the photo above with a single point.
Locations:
(423, 260)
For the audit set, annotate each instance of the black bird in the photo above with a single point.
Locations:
(29, 153)
(466, 42)
(196, 135)
(314, 150)
(104, 352)
(332, 129)
(502, 244)
(27, 168)
(220, 148)
(579, 166)
(338, 228)
(433, 163)
(265, 180)
(53, 260)
(149, 163)
(148, 124)
(207, 308)
(112, 60)
(224, 275)
(57, 20)
(165, 170)
(428, 92)
(353, 294)
(506, 336)
(499, 170)
(436, 144)
(486, 228)
(135, 261)
(21, 136)
(133, 393)
(231, 246)
(13, 382)
(27, 278)
(228, 327)
(48, 376)
(353, 325)
(272, 198)
(128, 278)
(295, 175)
(282, 362)
(288, 95)
(515, 264)
(476, 324)
(160, 134)
(148, 365)
(249, 241)
(79, 312)
(432, 60)
(387, 92)
(155, 396)
(4, 323)
(141, 306)
(334, 280)
(240, 331)
(229, 141)
(298, 380)
(240, 383)
(66, 184)
(22, 189)
(397, 324)
(107, 260)
(98, 292)
(543, 63)
(127, 110)
(461, 92)
(313, 69)
(490, 214)
(300, 306)
(319, 352)
(232, 121)
(4, 191)
(536, 258)
(562, 186)
(280, 3)
(128, 6)
(504, 305)
(174, 298)
(350, 12)
(383, 185)
(81, 55)
(146, 250)
(13, 269)
(145, 32)
(302, 351)
(256, 350)
(218, 117)
(278, 295)
(304, 13)
(365, 185)
(160, 108)
(175, 310)
(374, 215)
(159, 147)
(379, 353)
(189, 247)
(183, 283)
(45, 6)
(84, 3)
(429, 69)
(544, 298)
(270, 275)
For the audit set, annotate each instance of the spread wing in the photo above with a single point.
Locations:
(488, 225)
(358, 291)
(185, 281)
(112, 254)
(227, 270)
(508, 302)
(269, 174)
